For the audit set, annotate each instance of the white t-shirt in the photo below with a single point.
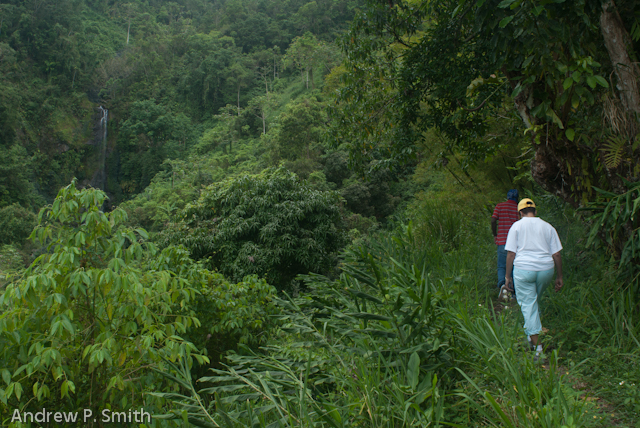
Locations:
(534, 241)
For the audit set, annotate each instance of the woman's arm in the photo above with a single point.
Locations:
(508, 278)
(557, 260)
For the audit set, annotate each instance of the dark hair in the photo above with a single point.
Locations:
(528, 210)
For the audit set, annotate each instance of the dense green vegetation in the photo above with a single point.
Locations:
(269, 224)
(278, 211)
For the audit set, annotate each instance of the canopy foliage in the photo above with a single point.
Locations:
(453, 64)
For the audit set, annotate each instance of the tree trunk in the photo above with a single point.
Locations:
(238, 100)
(547, 167)
(128, 29)
(548, 170)
(313, 86)
(616, 40)
(523, 103)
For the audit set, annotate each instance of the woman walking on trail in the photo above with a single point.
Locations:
(533, 249)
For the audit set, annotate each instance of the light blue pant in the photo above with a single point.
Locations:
(529, 288)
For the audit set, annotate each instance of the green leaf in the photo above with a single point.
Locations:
(505, 21)
(370, 317)
(575, 101)
(143, 233)
(366, 296)
(568, 82)
(498, 410)
(591, 81)
(67, 325)
(413, 370)
(601, 81)
(576, 76)
(517, 90)
(604, 192)
(555, 118)
(6, 376)
(527, 61)
(505, 3)
(570, 133)
(17, 390)
(332, 411)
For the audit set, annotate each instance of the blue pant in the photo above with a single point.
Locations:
(529, 288)
(502, 265)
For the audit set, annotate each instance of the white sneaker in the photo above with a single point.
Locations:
(503, 294)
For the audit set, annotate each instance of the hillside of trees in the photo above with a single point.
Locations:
(264, 213)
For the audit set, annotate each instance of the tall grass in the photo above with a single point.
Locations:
(397, 341)
(440, 224)
(508, 388)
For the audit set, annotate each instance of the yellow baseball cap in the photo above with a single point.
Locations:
(526, 203)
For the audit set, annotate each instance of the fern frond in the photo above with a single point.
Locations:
(613, 151)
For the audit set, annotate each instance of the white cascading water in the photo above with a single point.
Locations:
(102, 181)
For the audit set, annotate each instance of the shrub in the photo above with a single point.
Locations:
(90, 317)
(16, 224)
(11, 263)
(232, 314)
(268, 224)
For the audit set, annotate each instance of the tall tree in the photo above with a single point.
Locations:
(261, 107)
(304, 53)
(240, 76)
(451, 64)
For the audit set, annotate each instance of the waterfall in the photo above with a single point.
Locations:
(102, 181)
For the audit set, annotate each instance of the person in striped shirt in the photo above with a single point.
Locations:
(504, 215)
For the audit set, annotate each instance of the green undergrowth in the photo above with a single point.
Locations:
(594, 325)
(408, 336)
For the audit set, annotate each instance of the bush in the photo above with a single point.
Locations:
(438, 222)
(268, 224)
(232, 314)
(11, 263)
(91, 317)
(16, 224)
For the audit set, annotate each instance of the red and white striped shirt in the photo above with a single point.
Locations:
(506, 213)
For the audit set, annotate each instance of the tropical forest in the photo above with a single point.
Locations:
(282, 213)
